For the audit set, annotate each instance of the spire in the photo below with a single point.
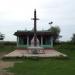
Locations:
(35, 28)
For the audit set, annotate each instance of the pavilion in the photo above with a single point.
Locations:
(24, 38)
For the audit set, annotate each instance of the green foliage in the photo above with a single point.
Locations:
(73, 38)
(7, 43)
(44, 67)
(7, 46)
(1, 36)
(67, 48)
(56, 31)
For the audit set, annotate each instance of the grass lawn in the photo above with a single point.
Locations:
(44, 67)
(48, 66)
(7, 48)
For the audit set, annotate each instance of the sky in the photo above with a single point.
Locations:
(16, 15)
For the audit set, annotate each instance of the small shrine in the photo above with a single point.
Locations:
(43, 37)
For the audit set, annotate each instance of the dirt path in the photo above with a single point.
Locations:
(5, 64)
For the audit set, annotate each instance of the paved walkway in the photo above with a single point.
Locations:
(42, 53)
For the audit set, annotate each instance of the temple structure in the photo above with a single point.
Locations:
(24, 38)
(31, 44)
(43, 37)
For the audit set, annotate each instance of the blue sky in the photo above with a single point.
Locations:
(16, 15)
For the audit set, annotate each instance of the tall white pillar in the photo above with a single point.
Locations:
(17, 41)
(51, 41)
(27, 40)
(41, 40)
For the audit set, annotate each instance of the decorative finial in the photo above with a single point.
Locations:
(34, 9)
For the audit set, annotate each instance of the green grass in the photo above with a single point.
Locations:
(48, 66)
(44, 67)
(68, 49)
(6, 48)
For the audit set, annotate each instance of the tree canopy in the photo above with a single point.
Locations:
(56, 31)
(73, 38)
(1, 36)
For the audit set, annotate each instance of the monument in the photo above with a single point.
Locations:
(35, 42)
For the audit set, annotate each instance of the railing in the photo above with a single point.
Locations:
(46, 46)
(22, 46)
(26, 46)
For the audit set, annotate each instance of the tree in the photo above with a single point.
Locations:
(56, 31)
(73, 38)
(1, 36)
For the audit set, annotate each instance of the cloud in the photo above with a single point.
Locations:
(16, 15)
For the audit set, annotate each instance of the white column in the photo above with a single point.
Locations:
(41, 40)
(51, 41)
(17, 41)
(27, 40)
